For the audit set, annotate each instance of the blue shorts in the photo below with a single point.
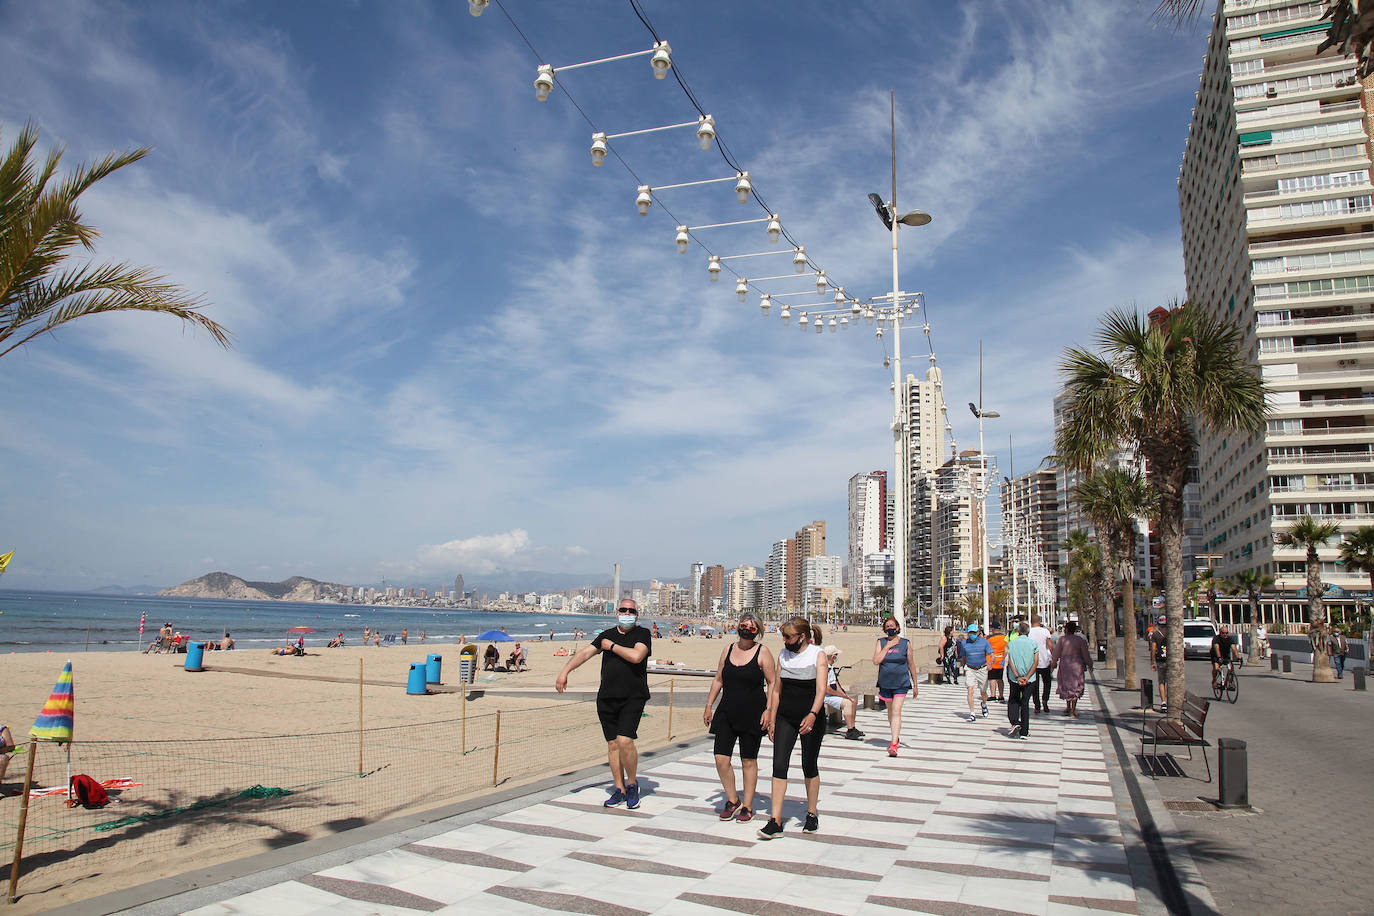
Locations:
(885, 693)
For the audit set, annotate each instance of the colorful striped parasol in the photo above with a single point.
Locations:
(56, 720)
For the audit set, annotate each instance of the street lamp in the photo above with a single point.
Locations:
(983, 487)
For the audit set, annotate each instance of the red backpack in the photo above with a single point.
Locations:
(86, 792)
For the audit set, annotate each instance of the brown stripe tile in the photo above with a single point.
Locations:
(688, 836)
(540, 830)
(567, 903)
(1096, 903)
(893, 797)
(973, 871)
(372, 893)
(808, 869)
(1106, 797)
(986, 840)
(847, 815)
(905, 782)
(754, 907)
(1115, 868)
(999, 817)
(834, 840)
(939, 907)
(640, 865)
(1004, 798)
(466, 857)
(599, 809)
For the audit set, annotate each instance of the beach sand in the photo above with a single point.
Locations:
(211, 749)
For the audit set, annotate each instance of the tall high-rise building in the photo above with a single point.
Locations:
(948, 539)
(458, 590)
(1030, 523)
(810, 542)
(695, 598)
(1277, 212)
(712, 587)
(867, 525)
(820, 583)
(737, 590)
(924, 453)
(775, 575)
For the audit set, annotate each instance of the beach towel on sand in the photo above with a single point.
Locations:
(122, 782)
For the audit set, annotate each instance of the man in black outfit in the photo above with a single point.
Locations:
(621, 697)
(1223, 649)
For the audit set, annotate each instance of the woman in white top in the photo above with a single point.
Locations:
(796, 698)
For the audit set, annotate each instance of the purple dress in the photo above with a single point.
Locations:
(1071, 652)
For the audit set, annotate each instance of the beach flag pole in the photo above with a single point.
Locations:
(23, 820)
(142, 618)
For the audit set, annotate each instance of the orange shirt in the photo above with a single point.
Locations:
(999, 650)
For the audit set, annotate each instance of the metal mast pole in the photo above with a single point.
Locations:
(898, 414)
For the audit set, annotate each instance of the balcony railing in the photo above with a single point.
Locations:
(1343, 458)
(1313, 322)
(1324, 431)
(1312, 240)
(1324, 488)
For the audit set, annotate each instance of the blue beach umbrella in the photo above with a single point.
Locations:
(494, 636)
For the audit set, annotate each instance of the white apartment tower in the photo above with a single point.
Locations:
(926, 435)
(820, 583)
(1278, 237)
(775, 578)
(737, 591)
(867, 525)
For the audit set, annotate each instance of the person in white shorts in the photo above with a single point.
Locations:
(975, 651)
(836, 698)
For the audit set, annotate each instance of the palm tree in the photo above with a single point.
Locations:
(1087, 580)
(1205, 587)
(1114, 498)
(1250, 583)
(1309, 534)
(1154, 385)
(1357, 553)
(40, 226)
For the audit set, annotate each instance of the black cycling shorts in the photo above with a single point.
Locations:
(749, 742)
(994, 674)
(620, 716)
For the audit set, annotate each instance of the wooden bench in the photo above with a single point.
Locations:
(1188, 732)
(935, 674)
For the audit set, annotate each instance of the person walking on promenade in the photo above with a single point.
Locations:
(1337, 648)
(948, 656)
(1044, 645)
(621, 697)
(1074, 659)
(1021, 661)
(999, 650)
(796, 698)
(975, 651)
(743, 677)
(1159, 648)
(896, 676)
(835, 696)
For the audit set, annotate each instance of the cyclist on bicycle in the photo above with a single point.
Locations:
(1223, 650)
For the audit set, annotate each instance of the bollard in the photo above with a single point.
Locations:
(1102, 653)
(1357, 676)
(415, 683)
(1288, 664)
(1147, 693)
(1273, 662)
(870, 702)
(434, 666)
(1233, 780)
(1121, 667)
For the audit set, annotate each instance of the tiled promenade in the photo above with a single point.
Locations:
(963, 821)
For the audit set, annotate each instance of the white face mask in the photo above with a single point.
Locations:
(627, 620)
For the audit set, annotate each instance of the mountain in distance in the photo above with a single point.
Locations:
(227, 586)
(127, 591)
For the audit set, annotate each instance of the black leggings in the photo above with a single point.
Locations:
(1043, 676)
(785, 733)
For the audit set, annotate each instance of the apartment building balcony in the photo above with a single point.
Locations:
(1296, 492)
(1324, 434)
(1312, 211)
(1352, 461)
(1328, 357)
(1270, 325)
(1322, 407)
(1317, 242)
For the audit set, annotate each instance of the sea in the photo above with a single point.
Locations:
(76, 622)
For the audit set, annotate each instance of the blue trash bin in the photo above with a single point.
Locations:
(434, 665)
(195, 656)
(415, 685)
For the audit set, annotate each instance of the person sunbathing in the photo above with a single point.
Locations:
(336, 642)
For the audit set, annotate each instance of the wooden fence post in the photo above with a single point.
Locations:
(463, 704)
(360, 717)
(496, 756)
(23, 819)
(671, 684)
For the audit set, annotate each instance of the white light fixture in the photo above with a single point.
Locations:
(886, 362)
(543, 82)
(804, 321)
(854, 308)
(834, 325)
(662, 59)
(598, 148)
(713, 267)
(706, 131)
(774, 228)
(868, 316)
(821, 281)
(839, 298)
(741, 289)
(475, 7)
(879, 333)
(683, 240)
(786, 314)
(743, 188)
(799, 259)
(844, 321)
(764, 302)
(820, 325)
(643, 200)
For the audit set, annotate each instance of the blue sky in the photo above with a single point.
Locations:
(457, 346)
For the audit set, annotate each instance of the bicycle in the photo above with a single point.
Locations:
(1225, 683)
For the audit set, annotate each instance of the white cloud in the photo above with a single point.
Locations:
(481, 553)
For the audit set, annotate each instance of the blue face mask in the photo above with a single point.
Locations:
(627, 621)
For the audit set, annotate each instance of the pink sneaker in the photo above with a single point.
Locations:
(892, 750)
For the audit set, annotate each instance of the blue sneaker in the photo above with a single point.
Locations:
(617, 798)
(632, 796)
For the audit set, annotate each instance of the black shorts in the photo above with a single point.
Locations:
(749, 742)
(620, 716)
(994, 674)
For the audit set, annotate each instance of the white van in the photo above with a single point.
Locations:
(1197, 637)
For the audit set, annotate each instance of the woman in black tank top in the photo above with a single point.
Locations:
(745, 672)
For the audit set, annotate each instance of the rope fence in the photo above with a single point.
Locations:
(232, 797)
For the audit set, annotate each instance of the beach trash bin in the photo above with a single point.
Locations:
(415, 684)
(434, 666)
(195, 656)
(465, 666)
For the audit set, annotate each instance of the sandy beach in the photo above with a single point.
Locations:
(259, 751)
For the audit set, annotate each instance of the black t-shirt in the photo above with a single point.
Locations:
(620, 678)
(1223, 646)
(1159, 640)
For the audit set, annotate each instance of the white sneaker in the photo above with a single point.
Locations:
(985, 709)
(972, 717)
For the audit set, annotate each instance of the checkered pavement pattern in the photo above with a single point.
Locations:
(964, 820)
